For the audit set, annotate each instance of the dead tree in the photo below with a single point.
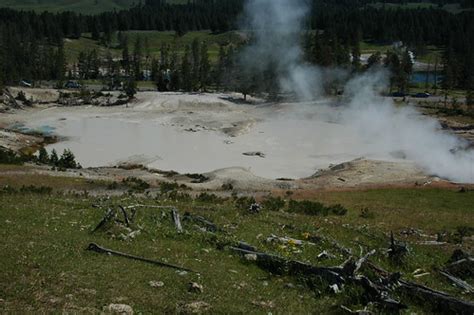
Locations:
(102, 250)
(110, 215)
(177, 220)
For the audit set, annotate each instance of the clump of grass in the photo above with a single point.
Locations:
(42, 190)
(338, 210)
(244, 203)
(168, 187)
(274, 203)
(136, 184)
(366, 213)
(209, 198)
(315, 208)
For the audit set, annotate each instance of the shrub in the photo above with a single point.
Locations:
(366, 213)
(167, 187)
(209, 198)
(338, 210)
(308, 207)
(244, 203)
(136, 184)
(273, 204)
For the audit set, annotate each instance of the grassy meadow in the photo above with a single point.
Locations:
(45, 267)
(155, 40)
(79, 6)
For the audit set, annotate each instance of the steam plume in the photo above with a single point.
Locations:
(278, 26)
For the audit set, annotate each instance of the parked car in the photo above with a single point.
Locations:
(72, 85)
(26, 83)
(398, 94)
(422, 95)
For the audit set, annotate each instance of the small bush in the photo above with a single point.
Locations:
(42, 190)
(27, 189)
(167, 187)
(227, 186)
(366, 213)
(244, 203)
(113, 186)
(274, 204)
(209, 198)
(136, 184)
(316, 208)
(338, 210)
(308, 207)
(179, 196)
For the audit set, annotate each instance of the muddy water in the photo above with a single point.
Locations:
(295, 146)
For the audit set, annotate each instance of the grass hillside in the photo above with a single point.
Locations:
(80, 6)
(155, 41)
(46, 269)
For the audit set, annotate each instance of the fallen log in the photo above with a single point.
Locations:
(379, 293)
(336, 276)
(102, 250)
(458, 282)
(439, 301)
(461, 268)
(279, 265)
(208, 225)
(109, 215)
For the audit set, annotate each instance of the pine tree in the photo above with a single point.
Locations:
(137, 58)
(406, 70)
(95, 31)
(130, 88)
(356, 54)
(220, 68)
(43, 156)
(205, 67)
(126, 60)
(82, 66)
(175, 78)
(185, 75)
(374, 59)
(67, 160)
(53, 158)
(123, 40)
(60, 64)
(196, 64)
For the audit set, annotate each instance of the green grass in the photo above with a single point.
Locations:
(370, 48)
(155, 41)
(452, 8)
(46, 269)
(80, 6)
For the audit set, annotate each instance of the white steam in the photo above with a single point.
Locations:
(278, 26)
(404, 129)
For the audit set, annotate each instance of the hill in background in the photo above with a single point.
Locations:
(82, 6)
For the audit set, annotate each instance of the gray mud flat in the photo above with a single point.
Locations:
(169, 134)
